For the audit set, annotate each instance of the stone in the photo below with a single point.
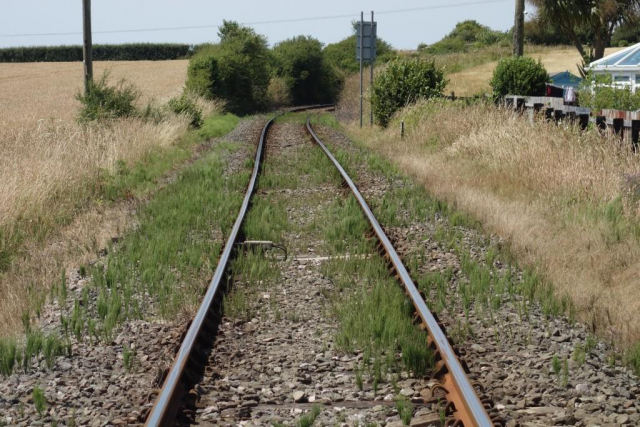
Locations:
(298, 396)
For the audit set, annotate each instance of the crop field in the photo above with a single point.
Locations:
(53, 169)
(40, 91)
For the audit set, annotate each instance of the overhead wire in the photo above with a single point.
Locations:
(276, 21)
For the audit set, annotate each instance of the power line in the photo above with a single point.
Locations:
(278, 21)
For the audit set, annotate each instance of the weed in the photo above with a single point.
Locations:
(565, 373)
(128, 357)
(52, 348)
(8, 355)
(359, 381)
(39, 401)
(556, 365)
(579, 354)
(308, 419)
(405, 409)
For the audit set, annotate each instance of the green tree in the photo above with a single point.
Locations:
(236, 70)
(342, 55)
(598, 17)
(301, 63)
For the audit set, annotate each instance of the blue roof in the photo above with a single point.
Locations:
(565, 78)
(629, 57)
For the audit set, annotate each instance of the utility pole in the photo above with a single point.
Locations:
(87, 49)
(518, 29)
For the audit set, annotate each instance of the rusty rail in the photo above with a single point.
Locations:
(170, 397)
(467, 410)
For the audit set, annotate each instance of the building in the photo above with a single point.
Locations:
(623, 66)
(565, 80)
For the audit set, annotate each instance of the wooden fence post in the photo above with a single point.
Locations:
(635, 134)
(584, 120)
(618, 127)
(601, 123)
(548, 113)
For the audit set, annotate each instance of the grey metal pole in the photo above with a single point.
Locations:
(87, 49)
(361, 61)
(371, 69)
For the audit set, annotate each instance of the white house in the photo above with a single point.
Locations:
(623, 66)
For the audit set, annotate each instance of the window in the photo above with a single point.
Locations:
(622, 79)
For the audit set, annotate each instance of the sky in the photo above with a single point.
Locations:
(403, 23)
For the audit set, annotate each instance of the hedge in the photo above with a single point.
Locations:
(119, 52)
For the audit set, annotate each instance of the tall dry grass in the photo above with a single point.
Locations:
(51, 167)
(569, 202)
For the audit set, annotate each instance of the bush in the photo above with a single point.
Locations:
(403, 82)
(121, 52)
(279, 93)
(107, 102)
(519, 75)
(599, 93)
(235, 70)
(342, 55)
(300, 62)
(202, 75)
(186, 106)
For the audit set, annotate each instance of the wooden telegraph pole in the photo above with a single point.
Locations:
(87, 49)
(518, 29)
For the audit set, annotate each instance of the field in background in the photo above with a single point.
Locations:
(555, 59)
(59, 178)
(40, 91)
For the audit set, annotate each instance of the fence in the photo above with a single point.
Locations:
(625, 124)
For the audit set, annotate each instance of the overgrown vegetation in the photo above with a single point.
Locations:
(600, 92)
(466, 36)
(341, 55)
(519, 76)
(117, 52)
(403, 82)
(301, 63)
(105, 102)
(236, 70)
(483, 160)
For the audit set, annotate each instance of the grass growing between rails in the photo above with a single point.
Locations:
(374, 313)
(565, 200)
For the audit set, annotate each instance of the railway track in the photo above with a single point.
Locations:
(449, 387)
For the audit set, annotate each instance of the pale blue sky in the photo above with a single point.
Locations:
(404, 30)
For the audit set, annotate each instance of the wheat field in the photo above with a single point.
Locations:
(50, 167)
(46, 90)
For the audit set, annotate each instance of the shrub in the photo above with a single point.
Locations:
(519, 75)
(185, 105)
(235, 70)
(202, 75)
(342, 55)
(403, 82)
(598, 92)
(300, 62)
(279, 93)
(107, 102)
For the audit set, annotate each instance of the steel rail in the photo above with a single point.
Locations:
(470, 410)
(167, 403)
